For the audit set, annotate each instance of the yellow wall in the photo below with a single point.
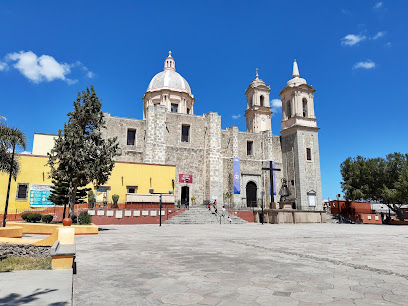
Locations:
(34, 171)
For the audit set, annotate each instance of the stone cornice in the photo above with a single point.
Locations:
(304, 87)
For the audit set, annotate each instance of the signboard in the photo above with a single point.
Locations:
(185, 178)
(236, 172)
(39, 196)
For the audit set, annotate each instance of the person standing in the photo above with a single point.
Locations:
(223, 211)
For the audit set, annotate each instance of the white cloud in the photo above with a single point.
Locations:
(40, 69)
(364, 65)
(388, 44)
(90, 74)
(235, 116)
(379, 35)
(351, 39)
(378, 5)
(3, 66)
(276, 105)
(26, 152)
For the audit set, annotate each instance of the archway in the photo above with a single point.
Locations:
(251, 191)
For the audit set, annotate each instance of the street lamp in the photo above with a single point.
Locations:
(160, 202)
(262, 207)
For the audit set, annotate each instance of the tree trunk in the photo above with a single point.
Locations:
(72, 197)
(8, 187)
(65, 210)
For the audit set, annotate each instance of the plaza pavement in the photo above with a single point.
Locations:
(36, 287)
(248, 264)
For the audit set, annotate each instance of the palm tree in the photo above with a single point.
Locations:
(10, 138)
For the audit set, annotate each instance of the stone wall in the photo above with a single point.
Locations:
(8, 250)
(118, 127)
(189, 157)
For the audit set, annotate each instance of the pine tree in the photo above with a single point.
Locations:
(80, 154)
(59, 195)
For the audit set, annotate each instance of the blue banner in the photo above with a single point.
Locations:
(236, 175)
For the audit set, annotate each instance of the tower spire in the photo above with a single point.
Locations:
(295, 70)
(257, 76)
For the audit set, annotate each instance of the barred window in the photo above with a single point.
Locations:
(22, 191)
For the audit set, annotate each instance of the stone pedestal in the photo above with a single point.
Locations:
(285, 205)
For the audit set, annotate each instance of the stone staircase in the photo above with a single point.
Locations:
(201, 215)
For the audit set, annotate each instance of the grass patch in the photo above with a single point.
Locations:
(24, 263)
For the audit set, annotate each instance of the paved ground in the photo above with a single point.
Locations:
(37, 287)
(249, 264)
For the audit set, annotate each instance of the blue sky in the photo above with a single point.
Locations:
(350, 51)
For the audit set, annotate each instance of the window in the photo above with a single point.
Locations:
(131, 136)
(304, 107)
(249, 147)
(308, 154)
(174, 108)
(185, 133)
(131, 189)
(288, 110)
(262, 101)
(22, 191)
(188, 111)
(311, 195)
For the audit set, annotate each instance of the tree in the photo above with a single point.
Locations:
(10, 139)
(59, 195)
(377, 179)
(80, 154)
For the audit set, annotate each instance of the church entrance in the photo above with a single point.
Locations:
(185, 196)
(251, 190)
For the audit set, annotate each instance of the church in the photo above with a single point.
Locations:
(226, 164)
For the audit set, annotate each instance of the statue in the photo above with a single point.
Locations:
(284, 192)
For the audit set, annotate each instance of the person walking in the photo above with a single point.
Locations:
(223, 211)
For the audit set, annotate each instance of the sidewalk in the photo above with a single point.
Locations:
(36, 287)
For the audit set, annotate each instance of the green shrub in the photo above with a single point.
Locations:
(35, 217)
(84, 218)
(26, 217)
(74, 219)
(47, 218)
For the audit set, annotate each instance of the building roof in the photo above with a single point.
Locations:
(169, 78)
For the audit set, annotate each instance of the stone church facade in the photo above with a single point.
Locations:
(203, 152)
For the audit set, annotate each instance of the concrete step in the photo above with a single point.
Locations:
(201, 215)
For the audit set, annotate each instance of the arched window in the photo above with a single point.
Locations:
(250, 102)
(288, 110)
(262, 100)
(304, 107)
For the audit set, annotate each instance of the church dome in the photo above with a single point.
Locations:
(169, 78)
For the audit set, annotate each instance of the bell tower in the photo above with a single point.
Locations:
(258, 112)
(300, 144)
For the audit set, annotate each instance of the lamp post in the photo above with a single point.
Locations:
(338, 206)
(188, 203)
(160, 203)
(262, 207)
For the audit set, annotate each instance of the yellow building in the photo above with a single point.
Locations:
(131, 181)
